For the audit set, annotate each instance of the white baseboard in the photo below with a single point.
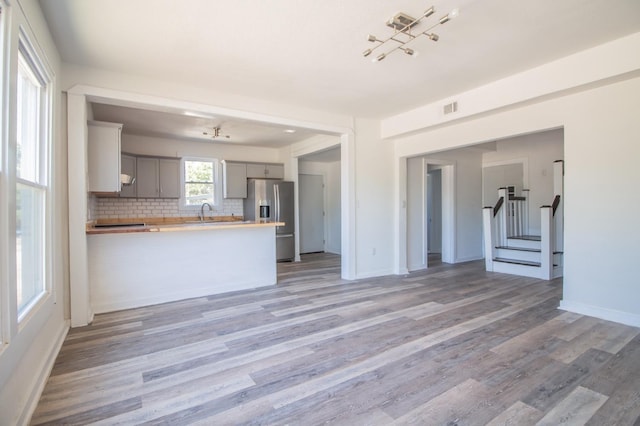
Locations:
(43, 375)
(373, 274)
(621, 317)
(468, 259)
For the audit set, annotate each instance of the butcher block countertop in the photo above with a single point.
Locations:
(127, 226)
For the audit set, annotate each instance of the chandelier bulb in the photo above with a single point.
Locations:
(372, 38)
(454, 14)
(410, 52)
(429, 12)
(379, 57)
(366, 52)
(432, 36)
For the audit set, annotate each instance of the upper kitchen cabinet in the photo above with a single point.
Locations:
(158, 177)
(128, 167)
(234, 180)
(169, 178)
(104, 156)
(265, 171)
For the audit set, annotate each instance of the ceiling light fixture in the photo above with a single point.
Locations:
(215, 132)
(404, 26)
(289, 130)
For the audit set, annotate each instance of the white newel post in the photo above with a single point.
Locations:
(489, 239)
(546, 238)
(558, 218)
(502, 217)
(525, 216)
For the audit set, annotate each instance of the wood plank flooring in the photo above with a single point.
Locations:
(453, 345)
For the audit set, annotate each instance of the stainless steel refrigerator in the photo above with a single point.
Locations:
(272, 201)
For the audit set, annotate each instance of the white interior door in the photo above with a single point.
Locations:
(311, 204)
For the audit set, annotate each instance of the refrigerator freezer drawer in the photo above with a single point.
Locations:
(285, 247)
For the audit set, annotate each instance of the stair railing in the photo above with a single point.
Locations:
(518, 214)
(494, 225)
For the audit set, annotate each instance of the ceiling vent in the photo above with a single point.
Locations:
(450, 108)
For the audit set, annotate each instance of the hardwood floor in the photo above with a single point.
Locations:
(453, 345)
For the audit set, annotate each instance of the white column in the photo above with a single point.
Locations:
(503, 218)
(489, 239)
(77, 174)
(546, 235)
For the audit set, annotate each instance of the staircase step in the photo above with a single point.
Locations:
(533, 250)
(529, 242)
(516, 261)
(518, 253)
(526, 237)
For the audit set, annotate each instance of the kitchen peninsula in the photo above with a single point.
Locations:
(150, 264)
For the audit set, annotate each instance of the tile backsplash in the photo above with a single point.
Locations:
(121, 208)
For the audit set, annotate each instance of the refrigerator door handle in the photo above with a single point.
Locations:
(276, 193)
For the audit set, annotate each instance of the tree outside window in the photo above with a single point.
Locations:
(199, 182)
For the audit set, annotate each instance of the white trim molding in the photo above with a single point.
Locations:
(602, 313)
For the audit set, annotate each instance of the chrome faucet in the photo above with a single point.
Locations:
(202, 210)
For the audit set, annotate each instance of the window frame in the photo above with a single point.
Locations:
(217, 187)
(4, 225)
(37, 65)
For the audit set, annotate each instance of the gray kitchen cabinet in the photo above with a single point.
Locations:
(147, 177)
(169, 177)
(158, 177)
(265, 171)
(128, 167)
(104, 156)
(234, 180)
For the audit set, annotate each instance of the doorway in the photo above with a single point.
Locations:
(312, 213)
(430, 212)
(434, 212)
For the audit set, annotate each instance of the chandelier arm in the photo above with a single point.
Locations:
(403, 43)
(406, 31)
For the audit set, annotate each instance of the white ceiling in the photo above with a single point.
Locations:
(193, 127)
(308, 53)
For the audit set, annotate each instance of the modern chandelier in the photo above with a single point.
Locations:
(215, 133)
(405, 31)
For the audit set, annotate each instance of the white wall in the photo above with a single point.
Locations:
(251, 108)
(334, 206)
(601, 151)
(28, 355)
(539, 151)
(416, 209)
(375, 205)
